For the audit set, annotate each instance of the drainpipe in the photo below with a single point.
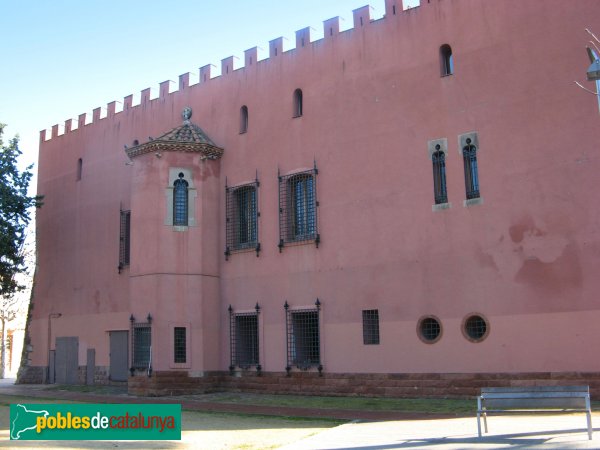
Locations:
(50, 316)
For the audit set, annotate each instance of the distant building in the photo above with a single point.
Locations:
(408, 207)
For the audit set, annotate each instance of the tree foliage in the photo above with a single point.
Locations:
(15, 215)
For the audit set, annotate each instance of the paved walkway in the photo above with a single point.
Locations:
(377, 430)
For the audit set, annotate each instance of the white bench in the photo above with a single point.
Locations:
(566, 399)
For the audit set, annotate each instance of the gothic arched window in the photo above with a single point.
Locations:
(439, 176)
(180, 201)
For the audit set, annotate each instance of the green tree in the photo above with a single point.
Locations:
(15, 215)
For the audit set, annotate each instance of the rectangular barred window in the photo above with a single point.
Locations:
(370, 319)
(141, 345)
(243, 340)
(124, 239)
(298, 208)
(180, 345)
(303, 338)
(241, 222)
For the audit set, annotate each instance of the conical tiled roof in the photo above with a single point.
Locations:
(188, 137)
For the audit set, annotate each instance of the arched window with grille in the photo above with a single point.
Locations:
(439, 176)
(180, 201)
(471, 175)
(243, 119)
(298, 106)
(446, 60)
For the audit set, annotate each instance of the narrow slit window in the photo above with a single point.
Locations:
(243, 119)
(439, 176)
(471, 174)
(124, 239)
(298, 106)
(179, 345)
(79, 168)
(446, 60)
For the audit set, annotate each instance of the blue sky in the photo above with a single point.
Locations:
(66, 57)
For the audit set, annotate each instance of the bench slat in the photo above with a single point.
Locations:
(530, 389)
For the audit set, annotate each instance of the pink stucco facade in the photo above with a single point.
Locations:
(524, 256)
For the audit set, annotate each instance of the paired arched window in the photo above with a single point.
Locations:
(297, 103)
(439, 176)
(180, 201)
(446, 60)
(471, 175)
(243, 119)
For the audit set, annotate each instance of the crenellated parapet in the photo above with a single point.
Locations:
(362, 19)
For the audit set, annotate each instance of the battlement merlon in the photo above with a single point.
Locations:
(163, 90)
(110, 109)
(227, 66)
(302, 38)
(250, 56)
(393, 7)
(68, 123)
(362, 16)
(127, 102)
(331, 27)
(205, 73)
(184, 81)
(275, 47)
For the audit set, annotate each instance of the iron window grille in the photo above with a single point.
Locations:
(241, 221)
(471, 174)
(298, 208)
(243, 339)
(475, 328)
(180, 345)
(180, 201)
(141, 344)
(370, 319)
(124, 239)
(439, 176)
(429, 329)
(303, 337)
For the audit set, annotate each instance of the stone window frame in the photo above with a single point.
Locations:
(192, 195)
